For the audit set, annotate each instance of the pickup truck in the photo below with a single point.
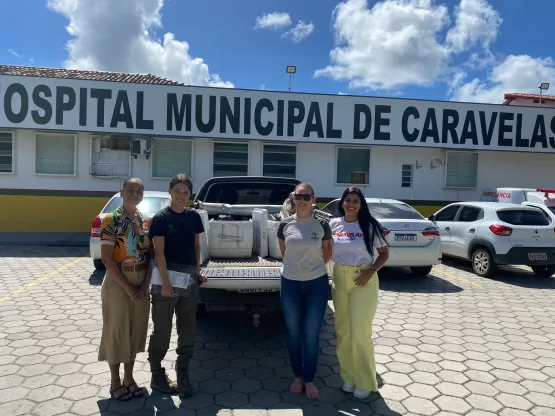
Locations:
(239, 249)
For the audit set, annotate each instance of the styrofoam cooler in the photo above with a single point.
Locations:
(230, 239)
(204, 236)
(260, 225)
(273, 242)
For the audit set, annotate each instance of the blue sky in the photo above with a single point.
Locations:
(469, 50)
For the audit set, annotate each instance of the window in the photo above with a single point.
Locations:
(332, 208)
(170, 157)
(406, 176)
(471, 214)
(55, 154)
(279, 161)
(393, 211)
(111, 156)
(447, 214)
(462, 170)
(522, 217)
(6, 152)
(353, 166)
(231, 159)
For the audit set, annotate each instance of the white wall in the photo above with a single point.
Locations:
(530, 103)
(315, 164)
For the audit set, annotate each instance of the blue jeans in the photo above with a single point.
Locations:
(304, 305)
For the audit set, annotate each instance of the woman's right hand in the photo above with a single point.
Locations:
(167, 290)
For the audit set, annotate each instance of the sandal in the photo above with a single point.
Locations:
(296, 387)
(123, 396)
(137, 391)
(312, 392)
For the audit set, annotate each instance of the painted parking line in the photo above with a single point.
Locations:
(40, 279)
(452, 276)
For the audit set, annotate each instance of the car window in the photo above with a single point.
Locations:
(522, 217)
(331, 207)
(148, 204)
(447, 214)
(382, 210)
(470, 214)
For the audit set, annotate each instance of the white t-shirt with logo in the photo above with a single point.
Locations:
(348, 243)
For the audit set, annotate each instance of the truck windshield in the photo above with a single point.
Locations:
(248, 193)
(147, 205)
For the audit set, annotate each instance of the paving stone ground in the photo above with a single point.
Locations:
(448, 344)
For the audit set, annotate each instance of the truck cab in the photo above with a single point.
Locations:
(543, 199)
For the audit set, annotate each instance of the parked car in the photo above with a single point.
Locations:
(413, 240)
(493, 233)
(152, 203)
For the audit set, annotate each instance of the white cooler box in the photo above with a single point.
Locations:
(230, 239)
(273, 242)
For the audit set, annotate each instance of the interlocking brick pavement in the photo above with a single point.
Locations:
(448, 344)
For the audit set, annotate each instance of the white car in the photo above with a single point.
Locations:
(413, 240)
(152, 203)
(493, 233)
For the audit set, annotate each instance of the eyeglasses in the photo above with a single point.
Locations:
(306, 197)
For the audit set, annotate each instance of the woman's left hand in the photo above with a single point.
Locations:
(364, 277)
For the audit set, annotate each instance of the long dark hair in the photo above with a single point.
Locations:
(369, 225)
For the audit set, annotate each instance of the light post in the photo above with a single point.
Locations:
(290, 70)
(544, 86)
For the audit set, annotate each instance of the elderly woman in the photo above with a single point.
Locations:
(125, 297)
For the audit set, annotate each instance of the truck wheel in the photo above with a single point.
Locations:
(544, 271)
(482, 262)
(421, 271)
(98, 265)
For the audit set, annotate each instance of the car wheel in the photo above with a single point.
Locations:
(482, 262)
(98, 265)
(544, 271)
(421, 271)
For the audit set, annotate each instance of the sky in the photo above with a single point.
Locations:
(459, 50)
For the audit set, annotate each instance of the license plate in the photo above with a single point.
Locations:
(405, 237)
(256, 290)
(537, 256)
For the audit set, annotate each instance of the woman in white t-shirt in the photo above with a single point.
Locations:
(355, 290)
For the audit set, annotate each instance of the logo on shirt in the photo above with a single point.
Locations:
(314, 236)
(343, 236)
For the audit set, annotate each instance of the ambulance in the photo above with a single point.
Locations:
(543, 199)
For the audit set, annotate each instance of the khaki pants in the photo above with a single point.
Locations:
(355, 308)
(124, 321)
(163, 309)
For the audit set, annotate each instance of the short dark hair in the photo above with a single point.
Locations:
(126, 182)
(181, 178)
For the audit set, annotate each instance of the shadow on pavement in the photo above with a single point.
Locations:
(396, 280)
(510, 275)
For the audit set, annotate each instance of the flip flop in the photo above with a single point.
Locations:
(312, 392)
(137, 391)
(123, 396)
(296, 387)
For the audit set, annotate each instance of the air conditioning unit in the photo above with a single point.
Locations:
(139, 147)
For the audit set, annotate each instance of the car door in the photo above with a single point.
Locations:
(463, 229)
(444, 219)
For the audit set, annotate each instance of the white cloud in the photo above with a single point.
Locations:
(116, 36)
(476, 24)
(300, 32)
(275, 20)
(393, 44)
(14, 53)
(520, 73)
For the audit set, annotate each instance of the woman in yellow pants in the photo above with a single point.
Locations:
(355, 290)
